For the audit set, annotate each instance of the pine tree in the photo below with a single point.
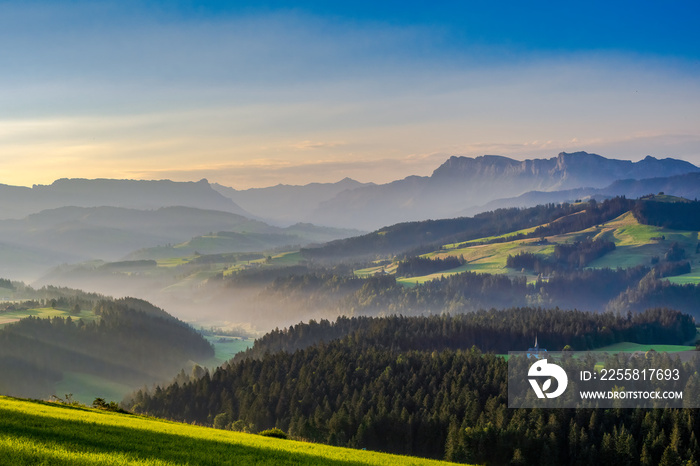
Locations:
(670, 458)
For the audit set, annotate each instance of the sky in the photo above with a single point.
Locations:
(252, 94)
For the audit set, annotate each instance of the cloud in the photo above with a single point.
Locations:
(305, 145)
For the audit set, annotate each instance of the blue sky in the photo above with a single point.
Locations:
(258, 93)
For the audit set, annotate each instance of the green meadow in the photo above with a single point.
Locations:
(692, 278)
(635, 244)
(56, 434)
(627, 347)
(388, 268)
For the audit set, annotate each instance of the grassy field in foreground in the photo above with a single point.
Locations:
(48, 433)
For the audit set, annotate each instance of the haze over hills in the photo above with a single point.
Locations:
(285, 203)
(29, 246)
(73, 220)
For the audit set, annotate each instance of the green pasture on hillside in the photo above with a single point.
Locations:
(433, 276)
(287, 258)
(369, 271)
(627, 347)
(635, 245)
(692, 278)
(49, 433)
(7, 317)
(472, 242)
(173, 261)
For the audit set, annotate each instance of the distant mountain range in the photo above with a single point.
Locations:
(18, 202)
(287, 204)
(73, 220)
(460, 186)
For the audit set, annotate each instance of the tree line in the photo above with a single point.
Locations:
(417, 266)
(576, 255)
(588, 289)
(491, 330)
(674, 215)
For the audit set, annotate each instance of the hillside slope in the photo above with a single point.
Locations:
(48, 433)
(411, 385)
(62, 334)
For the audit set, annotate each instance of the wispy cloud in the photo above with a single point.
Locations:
(305, 145)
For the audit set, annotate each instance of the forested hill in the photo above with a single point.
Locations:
(680, 214)
(497, 331)
(382, 384)
(416, 237)
(128, 341)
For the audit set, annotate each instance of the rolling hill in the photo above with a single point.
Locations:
(413, 385)
(284, 288)
(635, 244)
(410, 237)
(50, 335)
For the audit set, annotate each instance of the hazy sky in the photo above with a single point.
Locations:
(262, 93)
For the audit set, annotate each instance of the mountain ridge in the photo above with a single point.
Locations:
(19, 201)
(287, 204)
(686, 185)
(462, 182)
